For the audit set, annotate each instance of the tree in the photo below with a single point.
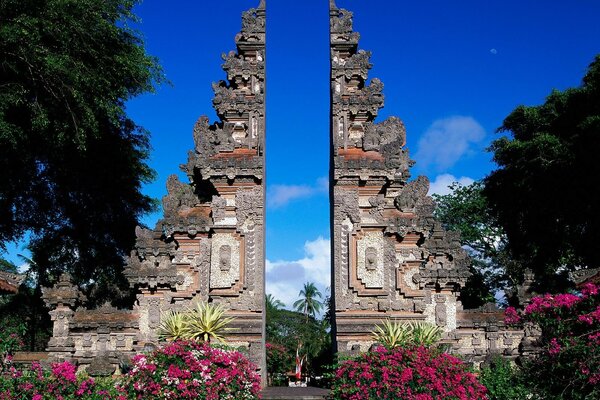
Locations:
(72, 160)
(272, 303)
(308, 303)
(289, 328)
(467, 211)
(543, 192)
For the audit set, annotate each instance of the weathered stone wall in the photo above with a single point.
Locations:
(390, 257)
(209, 246)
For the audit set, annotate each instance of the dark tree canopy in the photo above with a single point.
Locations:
(72, 161)
(545, 191)
(465, 210)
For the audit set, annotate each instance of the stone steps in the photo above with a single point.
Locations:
(292, 393)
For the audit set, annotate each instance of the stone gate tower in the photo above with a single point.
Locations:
(209, 246)
(390, 257)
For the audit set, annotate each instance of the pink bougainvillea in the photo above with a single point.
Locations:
(59, 383)
(180, 370)
(405, 373)
(568, 363)
(191, 370)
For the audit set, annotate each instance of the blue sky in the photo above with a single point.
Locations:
(452, 71)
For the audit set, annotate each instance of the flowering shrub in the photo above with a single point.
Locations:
(191, 370)
(568, 364)
(416, 373)
(60, 383)
(11, 335)
(279, 361)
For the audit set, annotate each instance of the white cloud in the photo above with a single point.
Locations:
(447, 140)
(286, 278)
(280, 195)
(442, 182)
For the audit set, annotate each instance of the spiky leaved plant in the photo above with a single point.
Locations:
(205, 322)
(172, 326)
(393, 334)
(425, 334)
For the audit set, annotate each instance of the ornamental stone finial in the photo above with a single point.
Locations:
(332, 5)
(263, 4)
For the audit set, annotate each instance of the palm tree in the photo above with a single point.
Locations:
(273, 304)
(308, 303)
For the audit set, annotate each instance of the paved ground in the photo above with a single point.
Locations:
(292, 393)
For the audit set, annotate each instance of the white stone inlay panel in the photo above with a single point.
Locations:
(222, 277)
(370, 264)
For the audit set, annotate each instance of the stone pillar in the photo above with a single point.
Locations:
(390, 258)
(61, 299)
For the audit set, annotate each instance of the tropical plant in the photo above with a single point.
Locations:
(272, 303)
(289, 328)
(172, 326)
(308, 303)
(416, 373)
(205, 322)
(425, 334)
(393, 333)
(567, 365)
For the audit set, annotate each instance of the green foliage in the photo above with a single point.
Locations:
(205, 322)
(279, 362)
(503, 381)
(273, 304)
(7, 266)
(11, 335)
(290, 328)
(466, 210)
(25, 315)
(541, 192)
(392, 334)
(308, 303)
(72, 161)
(172, 326)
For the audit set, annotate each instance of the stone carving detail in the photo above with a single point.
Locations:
(249, 203)
(179, 196)
(440, 311)
(225, 258)
(378, 135)
(346, 202)
(343, 22)
(9, 282)
(413, 194)
(208, 246)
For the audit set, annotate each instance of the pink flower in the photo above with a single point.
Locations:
(511, 317)
(589, 289)
(554, 347)
(64, 370)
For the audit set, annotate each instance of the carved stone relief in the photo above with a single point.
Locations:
(225, 269)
